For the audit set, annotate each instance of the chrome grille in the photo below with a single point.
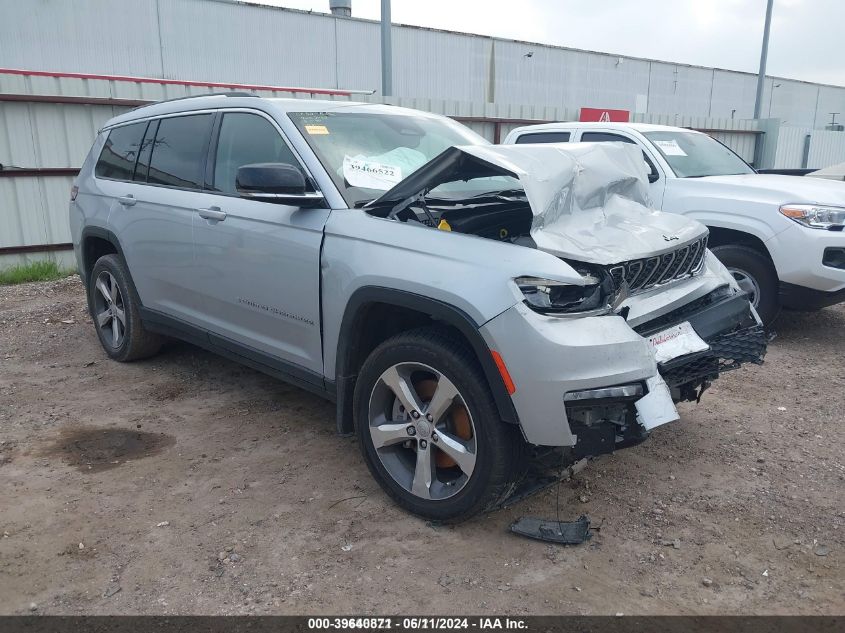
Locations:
(643, 274)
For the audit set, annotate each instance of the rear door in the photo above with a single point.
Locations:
(258, 262)
(154, 215)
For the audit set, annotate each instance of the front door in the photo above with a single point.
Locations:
(258, 263)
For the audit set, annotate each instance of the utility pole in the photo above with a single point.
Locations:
(764, 53)
(386, 51)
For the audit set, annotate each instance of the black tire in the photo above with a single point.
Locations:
(758, 267)
(500, 449)
(136, 342)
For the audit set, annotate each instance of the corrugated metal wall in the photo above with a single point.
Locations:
(226, 41)
(826, 148)
(790, 147)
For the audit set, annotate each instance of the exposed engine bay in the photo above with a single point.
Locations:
(586, 204)
(581, 202)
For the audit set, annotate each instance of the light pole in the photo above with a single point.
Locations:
(764, 53)
(386, 51)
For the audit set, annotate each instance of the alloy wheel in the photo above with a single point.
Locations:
(747, 284)
(109, 310)
(422, 431)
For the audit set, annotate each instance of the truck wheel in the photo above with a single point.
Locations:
(429, 429)
(755, 275)
(113, 305)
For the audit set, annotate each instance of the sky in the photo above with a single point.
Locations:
(806, 43)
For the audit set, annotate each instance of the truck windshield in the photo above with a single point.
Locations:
(367, 153)
(693, 155)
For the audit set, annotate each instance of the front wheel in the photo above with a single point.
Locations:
(755, 275)
(429, 429)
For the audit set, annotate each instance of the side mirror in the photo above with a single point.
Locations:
(275, 182)
(653, 176)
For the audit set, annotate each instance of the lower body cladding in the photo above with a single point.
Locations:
(594, 384)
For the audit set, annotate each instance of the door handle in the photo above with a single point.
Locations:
(212, 213)
(128, 200)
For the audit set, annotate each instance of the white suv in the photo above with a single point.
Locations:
(781, 237)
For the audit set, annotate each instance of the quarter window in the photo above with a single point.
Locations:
(543, 137)
(117, 160)
(178, 153)
(143, 165)
(246, 139)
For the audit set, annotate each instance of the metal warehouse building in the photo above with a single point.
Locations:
(227, 41)
(66, 66)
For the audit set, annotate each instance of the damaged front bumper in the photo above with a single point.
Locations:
(725, 320)
(593, 384)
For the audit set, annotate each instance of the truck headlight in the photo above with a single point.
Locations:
(816, 216)
(559, 297)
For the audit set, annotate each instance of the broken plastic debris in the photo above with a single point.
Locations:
(563, 532)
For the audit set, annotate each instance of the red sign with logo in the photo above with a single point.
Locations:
(604, 115)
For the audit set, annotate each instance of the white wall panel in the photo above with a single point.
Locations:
(94, 36)
(790, 147)
(826, 149)
(218, 41)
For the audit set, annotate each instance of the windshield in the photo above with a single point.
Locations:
(692, 155)
(368, 153)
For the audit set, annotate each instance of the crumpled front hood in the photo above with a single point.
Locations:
(590, 201)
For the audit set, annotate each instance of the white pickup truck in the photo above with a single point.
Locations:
(782, 237)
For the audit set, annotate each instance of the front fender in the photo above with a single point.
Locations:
(472, 274)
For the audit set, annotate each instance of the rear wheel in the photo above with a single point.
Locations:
(114, 307)
(755, 275)
(429, 428)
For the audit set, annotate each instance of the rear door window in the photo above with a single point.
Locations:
(179, 151)
(544, 137)
(605, 137)
(117, 160)
(246, 139)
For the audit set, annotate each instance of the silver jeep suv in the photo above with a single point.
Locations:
(472, 309)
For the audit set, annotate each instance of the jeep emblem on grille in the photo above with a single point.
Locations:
(669, 238)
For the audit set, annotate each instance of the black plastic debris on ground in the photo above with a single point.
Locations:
(562, 532)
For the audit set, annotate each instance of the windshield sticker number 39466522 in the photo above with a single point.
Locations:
(361, 172)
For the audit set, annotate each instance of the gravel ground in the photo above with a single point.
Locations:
(189, 484)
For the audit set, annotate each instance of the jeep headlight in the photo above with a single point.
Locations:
(559, 297)
(816, 216)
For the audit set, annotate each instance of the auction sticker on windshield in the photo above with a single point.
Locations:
(678, 340)
(362, 172)
(670, 147)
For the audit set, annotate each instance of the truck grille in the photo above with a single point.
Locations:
(643, 274)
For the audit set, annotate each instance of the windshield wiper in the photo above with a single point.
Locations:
(502, 193)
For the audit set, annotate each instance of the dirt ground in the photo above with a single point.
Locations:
(189, 484)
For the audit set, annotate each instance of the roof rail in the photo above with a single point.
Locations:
(233, 93)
